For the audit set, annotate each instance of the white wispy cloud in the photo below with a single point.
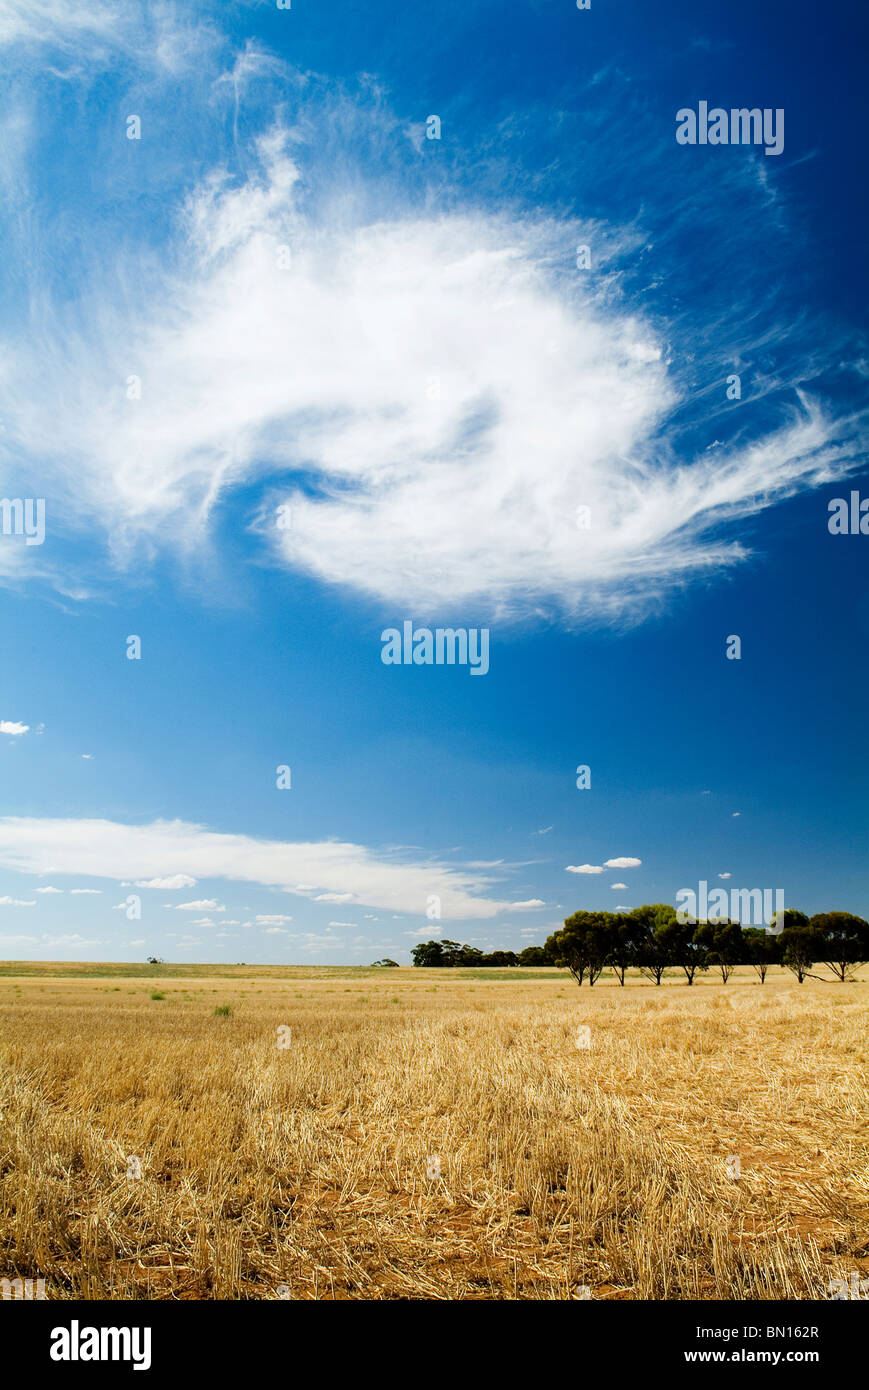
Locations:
(584, 868)
(16, 902)
(93, 34)
(175, 881)
(200, 905)
(322, 871)
(448, 381)
(11, 726)
(87, 892)
(623, 863)
(55, 21)
(49, 889)
(70, 939)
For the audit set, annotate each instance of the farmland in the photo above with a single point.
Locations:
(435, 1134)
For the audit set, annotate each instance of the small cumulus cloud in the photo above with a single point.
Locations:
(585, 868)
(174, 881)
(9, 726)
(622, 863)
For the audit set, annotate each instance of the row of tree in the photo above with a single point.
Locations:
(652, 939)
(453, 953)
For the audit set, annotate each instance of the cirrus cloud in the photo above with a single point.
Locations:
(453, 392)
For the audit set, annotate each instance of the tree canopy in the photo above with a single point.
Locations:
(653, 939)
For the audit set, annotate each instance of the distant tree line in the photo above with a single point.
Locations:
(445, 952)
(653, 939)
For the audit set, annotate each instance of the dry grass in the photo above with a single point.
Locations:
(303, 1172)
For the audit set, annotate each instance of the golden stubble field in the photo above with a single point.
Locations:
(709, 1142)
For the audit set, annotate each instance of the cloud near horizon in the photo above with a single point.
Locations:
(324, 871)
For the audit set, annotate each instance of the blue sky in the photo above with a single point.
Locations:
(284, 295)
